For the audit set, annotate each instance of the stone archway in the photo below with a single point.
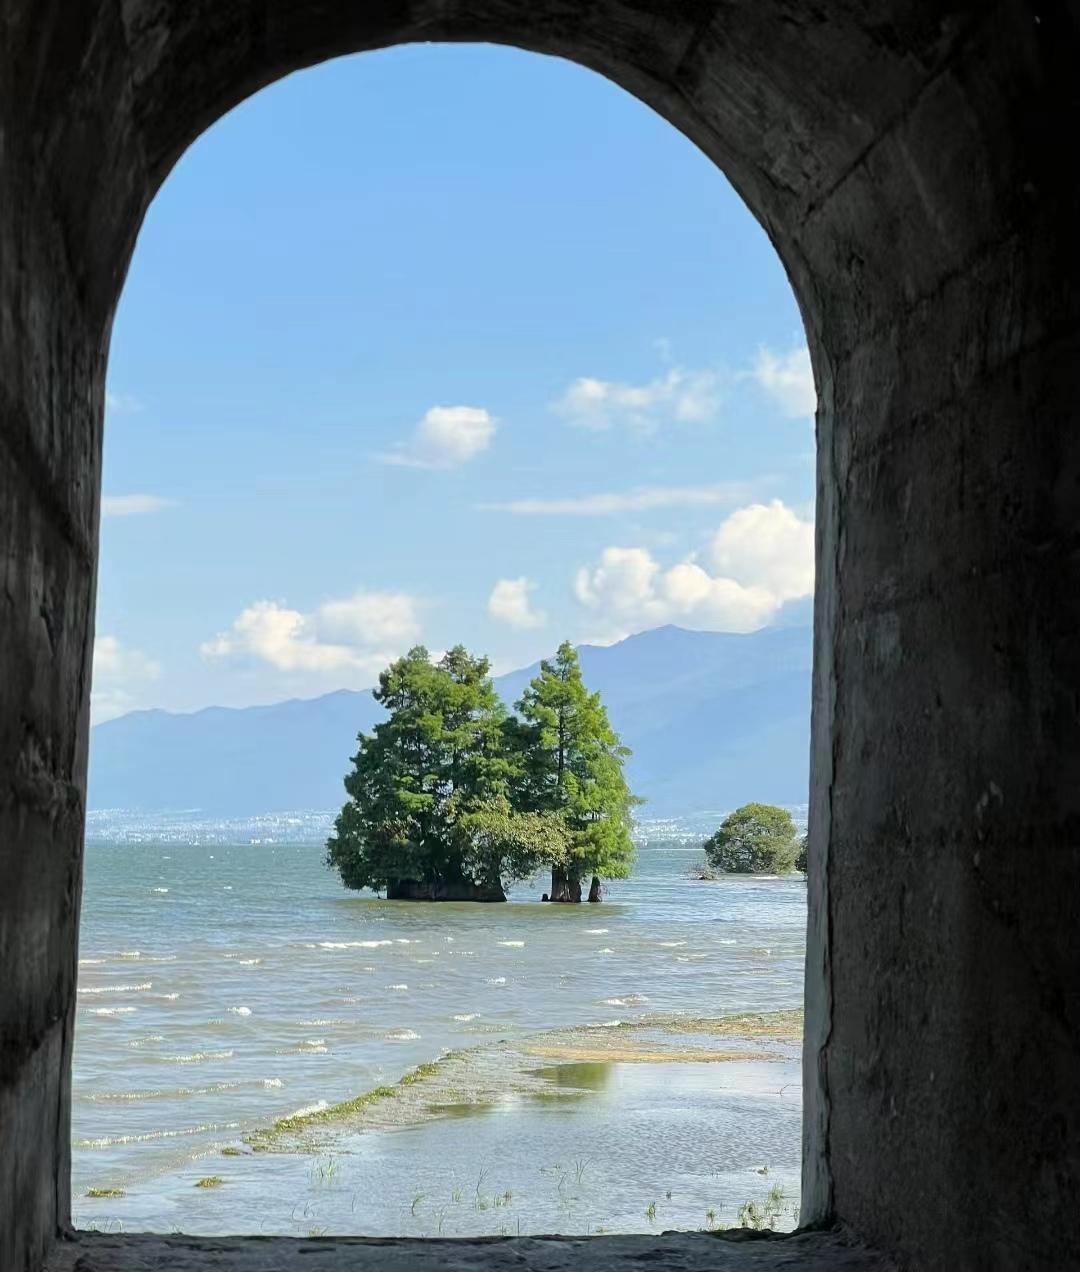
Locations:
(902, 158)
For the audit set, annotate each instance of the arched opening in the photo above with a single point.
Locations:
(287, 319)
(904, 165)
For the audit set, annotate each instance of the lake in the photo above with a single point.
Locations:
(226, 985)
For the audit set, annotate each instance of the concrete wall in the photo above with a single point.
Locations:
(904, 158)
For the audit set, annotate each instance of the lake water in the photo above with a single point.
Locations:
(225, 985)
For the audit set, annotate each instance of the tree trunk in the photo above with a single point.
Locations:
(594, 891)
(563, 888)
(456, 890)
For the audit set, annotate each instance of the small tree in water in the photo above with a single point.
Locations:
(429, 814)
(570, 766)
(755, 839)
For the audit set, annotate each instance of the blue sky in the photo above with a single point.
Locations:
(442, 344)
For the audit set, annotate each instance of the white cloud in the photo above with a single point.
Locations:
(788, 378)
(447, 437)
(643, 499)
(122, 403)
(682, 396)
(509, 603)
(760, 557)
(357, 635)
(133, 505)
(119, 675)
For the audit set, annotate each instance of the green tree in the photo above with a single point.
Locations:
(428, 814)
(570, 765)
(800, 857)
(755, 839)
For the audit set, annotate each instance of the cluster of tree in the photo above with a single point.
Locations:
(756, 839)
(452, 797)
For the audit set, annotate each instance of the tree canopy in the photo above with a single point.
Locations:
(754, 839)
(451, 797)
(571, 766)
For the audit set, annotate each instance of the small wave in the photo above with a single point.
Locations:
(249, 962)
(352, 945)
(109, 1141)
(159, 889)
(306, 1110)
(616, 1002)
(197, 1057)
(227, 888)
(729, 941)
(115, 989)
(322, 1024)
(397, 987)
(496, 980)
(404, 940)
(606, 1024)
(605, 950)
(516, 945)
(142, 1042)
(671, 945)
(240, 1011)
(403, 1035)
(123, 1097)
(468, 1015)
(112, 1011)
(272, 1083)
(130, 954)
(596, 931)
(169, 998)
(89, 962)
(314, 1042)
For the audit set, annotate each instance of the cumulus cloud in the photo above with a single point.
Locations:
(447, 437)
(356, 635)
(788, 379)
(679, 395)
(509, 603)
(133, 505)
(120, 674)
(642, 499)
(759, 558)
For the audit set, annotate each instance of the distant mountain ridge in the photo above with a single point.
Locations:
(714, 720)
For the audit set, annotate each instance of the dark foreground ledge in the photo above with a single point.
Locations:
(677, 1252)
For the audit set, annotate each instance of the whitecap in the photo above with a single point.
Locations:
(249, 962)
(729, 941)
(496, 980)
(130, 954)
(227, 888)
(397, 987)
(240, 1011)
(159, 889)
(141, 1042)
(403, 1035)
(616, 1002)
(605, 950)
(169, 998)
(112, 1011)
(87, 962)
(314, 1042)
(513, 944)
(468, 1015)
(272, 1082)
(115, 989)
(596, 931)
(671, 945)
(197, 1057)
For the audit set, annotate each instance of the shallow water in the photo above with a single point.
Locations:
(222, 986)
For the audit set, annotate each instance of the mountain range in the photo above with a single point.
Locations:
(714, 720)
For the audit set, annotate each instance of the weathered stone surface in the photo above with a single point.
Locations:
(669, 1252)
(905, 158)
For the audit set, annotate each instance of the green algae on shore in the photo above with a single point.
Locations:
(463, 1082)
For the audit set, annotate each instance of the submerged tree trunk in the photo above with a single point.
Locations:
(455, 890)
(594, 890)
(563, 887)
